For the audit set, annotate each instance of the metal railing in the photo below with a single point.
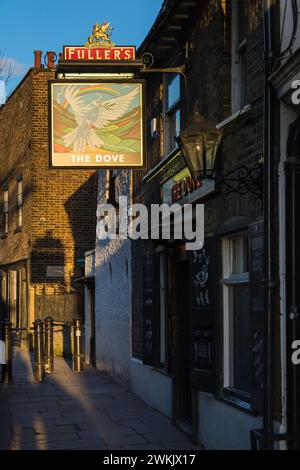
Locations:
(43, 332)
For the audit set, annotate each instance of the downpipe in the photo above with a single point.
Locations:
(269, 219)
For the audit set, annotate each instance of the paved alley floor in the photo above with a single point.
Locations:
(87, 410)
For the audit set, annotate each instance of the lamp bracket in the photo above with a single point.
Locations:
(148, 61)
(242, 180)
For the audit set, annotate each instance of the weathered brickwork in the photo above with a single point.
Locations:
(59, 206)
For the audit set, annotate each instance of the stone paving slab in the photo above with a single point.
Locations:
(86, 411)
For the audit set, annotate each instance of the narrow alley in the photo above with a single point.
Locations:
(84, 411)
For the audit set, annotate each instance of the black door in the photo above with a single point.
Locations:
(93, 327)
(183, 349)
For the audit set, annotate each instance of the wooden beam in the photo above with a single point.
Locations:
(174, 27)
(189, 4)
(168, 38)
(163, 46)
(181, 16)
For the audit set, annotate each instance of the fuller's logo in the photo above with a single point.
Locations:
(101, 36)
(99, 47)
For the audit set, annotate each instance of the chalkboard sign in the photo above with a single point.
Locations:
(204, 279)
(149, 308)
(202, 351)
(200, 279)
(257, 313)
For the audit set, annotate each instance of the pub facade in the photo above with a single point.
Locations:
(198, 316)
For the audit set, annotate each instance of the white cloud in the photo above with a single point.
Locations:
(12, 67)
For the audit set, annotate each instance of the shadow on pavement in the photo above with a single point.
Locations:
(84, 411)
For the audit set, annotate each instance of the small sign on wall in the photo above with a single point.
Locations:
(202, 350)
(2, 353)
(55, 271)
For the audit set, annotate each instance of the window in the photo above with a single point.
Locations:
(5, 212)
(172, 111)
(19, 203)
(239, 49)
(237, 332)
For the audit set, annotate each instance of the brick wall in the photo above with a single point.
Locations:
(63, 204)
(15, 137)
(59, 211)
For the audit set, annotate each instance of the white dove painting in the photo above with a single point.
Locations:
(96, 124)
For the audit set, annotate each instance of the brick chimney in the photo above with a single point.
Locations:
(38, 59)
(50, 59)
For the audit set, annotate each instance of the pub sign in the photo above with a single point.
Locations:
(96, 124)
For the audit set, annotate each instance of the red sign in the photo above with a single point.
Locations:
(99, 53)
(184, 187)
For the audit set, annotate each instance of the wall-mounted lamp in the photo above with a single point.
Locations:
(199, 144)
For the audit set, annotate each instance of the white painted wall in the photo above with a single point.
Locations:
(152, 386)
(113, 295)
(223, 427)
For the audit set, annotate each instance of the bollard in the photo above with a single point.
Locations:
(49, 362)
(77, 345)
(7, 368)
(39, 360)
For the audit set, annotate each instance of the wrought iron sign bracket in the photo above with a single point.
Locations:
(148, 61)
(242, 180)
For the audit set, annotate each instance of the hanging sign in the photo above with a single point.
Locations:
(96, 124)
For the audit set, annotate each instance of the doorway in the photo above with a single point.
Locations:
(92, 358)
(183, 360)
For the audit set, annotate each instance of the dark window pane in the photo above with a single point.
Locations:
(242, 21)
(173, 128)
(242, 338)
(173, 91)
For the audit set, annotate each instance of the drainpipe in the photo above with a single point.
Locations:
(269, 217)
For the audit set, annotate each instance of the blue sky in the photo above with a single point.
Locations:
(26, 25)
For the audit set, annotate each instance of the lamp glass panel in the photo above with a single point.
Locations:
(193, 148)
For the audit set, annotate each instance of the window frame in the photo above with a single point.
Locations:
(239, 57)
(170, 112)
(230, 279)
(5, 212)
(19, 221)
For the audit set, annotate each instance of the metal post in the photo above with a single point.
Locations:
(49, 362)
(39, 360)
(7, 368)
(78, 345)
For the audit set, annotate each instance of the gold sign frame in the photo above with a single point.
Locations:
(97, 124)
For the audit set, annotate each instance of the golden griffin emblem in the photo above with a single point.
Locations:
(100, 36)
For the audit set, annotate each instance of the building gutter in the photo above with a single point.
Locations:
(269, 233)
